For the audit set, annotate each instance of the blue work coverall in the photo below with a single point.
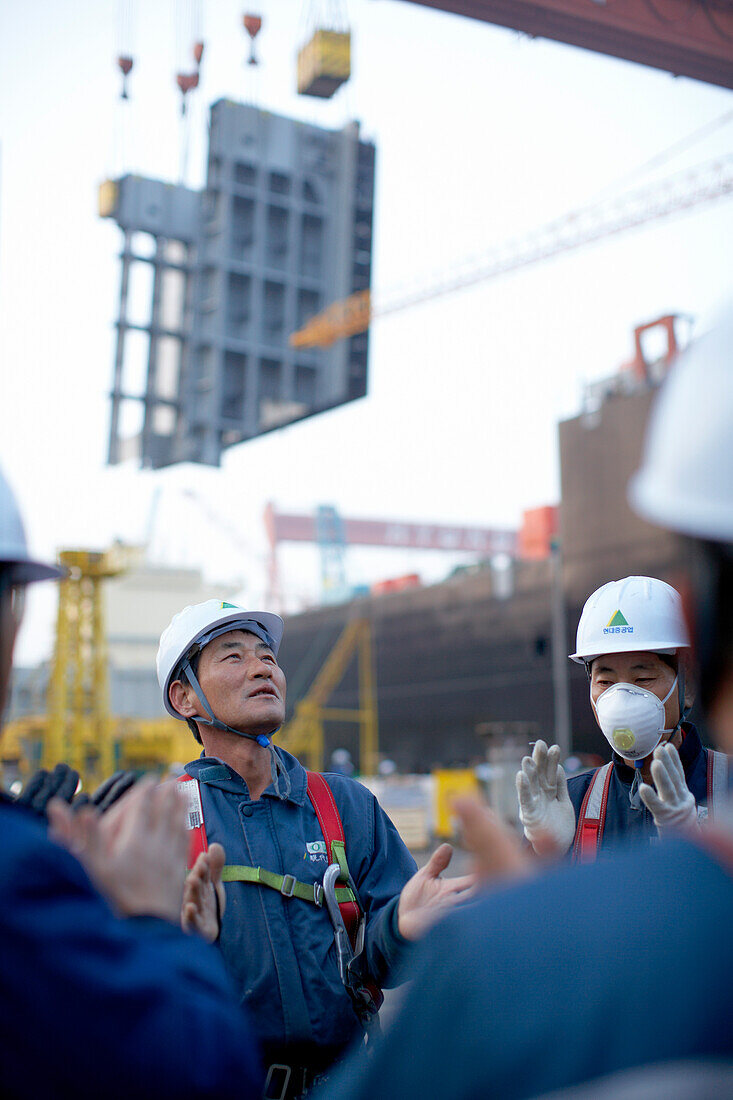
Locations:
(579, 973)
(280, 951)
(624, 821)
(95, 1006)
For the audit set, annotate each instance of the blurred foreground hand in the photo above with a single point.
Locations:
(63, 783)
(108, 792)
(497, 851)
(42, 786)
(135, 854)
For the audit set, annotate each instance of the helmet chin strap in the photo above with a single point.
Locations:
(684, 711)
(278, 772)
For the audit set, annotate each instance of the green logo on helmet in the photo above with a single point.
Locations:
(232, 605)
(617, 619)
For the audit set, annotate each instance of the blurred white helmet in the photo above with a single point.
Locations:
(636, 613)
(198, 624)
(14, 556)
(686, 478)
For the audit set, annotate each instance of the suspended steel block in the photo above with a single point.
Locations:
(324, 63)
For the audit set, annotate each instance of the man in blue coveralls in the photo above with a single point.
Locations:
(218, 670)
(615, 975)
(101, 993)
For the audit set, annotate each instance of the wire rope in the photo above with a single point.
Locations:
(668, 153)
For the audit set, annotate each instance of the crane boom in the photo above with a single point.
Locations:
(707, 182)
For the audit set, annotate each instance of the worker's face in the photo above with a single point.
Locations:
(243, 682)
(645, 670)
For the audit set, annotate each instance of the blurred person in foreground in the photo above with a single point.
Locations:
(102, 994)
(614, 978)
(309, 992)
(633, 642)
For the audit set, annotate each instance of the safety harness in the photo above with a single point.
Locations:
(592, 817)
(337, 891)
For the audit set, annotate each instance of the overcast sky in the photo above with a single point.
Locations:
(481, 135)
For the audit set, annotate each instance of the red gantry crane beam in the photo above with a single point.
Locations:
(684, 37)
(284, 527)
(581, 227)
(289, 527)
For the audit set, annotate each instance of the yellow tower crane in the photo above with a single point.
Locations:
(304, 734)
(79, 728)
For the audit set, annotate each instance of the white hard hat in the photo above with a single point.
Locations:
(686, 478)
(636, 613)
(14, 556)
(200, 621)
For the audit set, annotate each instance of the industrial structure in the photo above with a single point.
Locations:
(283, 226)
(333, 533)
(684, 37)
(448, 672)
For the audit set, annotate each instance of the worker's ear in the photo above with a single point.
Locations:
(184, 699)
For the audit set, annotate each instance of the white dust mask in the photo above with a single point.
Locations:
(632, 719)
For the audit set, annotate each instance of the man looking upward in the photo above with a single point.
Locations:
(218, 670)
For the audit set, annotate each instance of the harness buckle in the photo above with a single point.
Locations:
(288, 886)
(272, 1080)
(318, 894)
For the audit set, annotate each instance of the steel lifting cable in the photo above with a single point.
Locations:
(124, 26)
(667, 154)
(125, 58)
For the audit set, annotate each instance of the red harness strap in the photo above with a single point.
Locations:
(592, 817)
(328, 816)
(332, 828)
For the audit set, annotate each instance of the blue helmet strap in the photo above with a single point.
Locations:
(212, 720)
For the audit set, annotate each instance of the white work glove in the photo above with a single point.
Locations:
(672, 805)
(545, 808)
